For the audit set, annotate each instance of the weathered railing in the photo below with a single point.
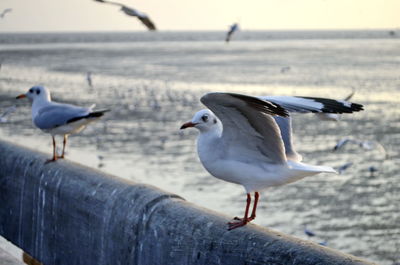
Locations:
(65, 213)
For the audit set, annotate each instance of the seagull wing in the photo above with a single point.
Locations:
(314, 105)
(248, 126)
(58, 114)
(147, 22)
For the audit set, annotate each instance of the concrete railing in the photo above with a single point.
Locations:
(65, 213)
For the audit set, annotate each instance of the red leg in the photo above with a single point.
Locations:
(245, 219)
(253, 212)
(54, 152)
(64, 144)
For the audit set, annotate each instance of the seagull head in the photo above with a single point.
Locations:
(204, 120)
(36, 93)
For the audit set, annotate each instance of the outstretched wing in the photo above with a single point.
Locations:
(248, 126)
(314, 105)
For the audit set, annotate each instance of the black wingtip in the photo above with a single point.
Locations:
(262, 105)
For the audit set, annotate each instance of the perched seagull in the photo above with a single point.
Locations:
(7, 112)
(232, 29)
(5, 11)
(58, 118)
(365, 144)
(247, 140)
(144, 18)
(334, 116)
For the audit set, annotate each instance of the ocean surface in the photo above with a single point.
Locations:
(152, 82)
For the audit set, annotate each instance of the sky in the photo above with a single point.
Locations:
(88, 15)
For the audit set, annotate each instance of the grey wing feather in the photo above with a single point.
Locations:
(247, 122)
(55, 115)
(285, 126)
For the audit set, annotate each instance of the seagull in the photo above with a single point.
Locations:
(144, 18)
(5, 11)
(7, 112)
(344, 167)
(233, 28)
(334, 116)
(365, 144)
(58, 118)
(247, 140)
(308, 232)
(89, 78)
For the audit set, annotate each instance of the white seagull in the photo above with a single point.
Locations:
(144, 18)
(247, 140)
(58, 118)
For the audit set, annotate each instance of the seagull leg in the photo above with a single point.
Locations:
(253, 212)
(54, 152)
(242, 221)
(64, 143)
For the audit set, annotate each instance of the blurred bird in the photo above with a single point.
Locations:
(7, 112)
(285, 69)
(308, 232)
(344, 167)
(89, 78)
(334, 116)
(57, 118)
(232, 29)
(372, 170)
(365, 144)
(5, 11)
(144, 18)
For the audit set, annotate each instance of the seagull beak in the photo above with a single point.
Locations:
(187, 125)
(21, 96)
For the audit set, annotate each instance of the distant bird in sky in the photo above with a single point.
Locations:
(334, 116)
(5, 11)
(232, 29)
(57, 118)
(144, 18)
(6, 113)
(248, 141)
(365, 144)
(89, 78)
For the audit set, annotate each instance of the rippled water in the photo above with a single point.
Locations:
(153, 83)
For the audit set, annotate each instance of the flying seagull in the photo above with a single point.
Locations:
(5, 11)
(247, 140)
(144, 18)
(6, 113)
(364, 144)
(58, 118)
(232, 29)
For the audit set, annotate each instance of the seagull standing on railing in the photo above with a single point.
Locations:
(247, 140)
(58, 118)
(232, 29)
(144, 18)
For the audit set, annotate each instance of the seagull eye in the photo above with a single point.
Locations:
(38, 91)
(31, 90)
(204, 118)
